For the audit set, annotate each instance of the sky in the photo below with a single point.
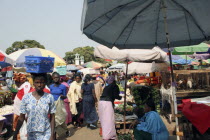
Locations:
(53, 23)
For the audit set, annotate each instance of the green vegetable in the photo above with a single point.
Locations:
(143, 93)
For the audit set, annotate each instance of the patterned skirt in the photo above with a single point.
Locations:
(40, 135)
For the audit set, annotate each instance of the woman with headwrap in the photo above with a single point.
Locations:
(89, 101)
(106, 108)
(150, 126)
(23, 88)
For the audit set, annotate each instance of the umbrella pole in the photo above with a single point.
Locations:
(173, 84)
(126, 75)
(186, 57)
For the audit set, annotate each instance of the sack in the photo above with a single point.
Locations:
(23, 131)
(60, 115)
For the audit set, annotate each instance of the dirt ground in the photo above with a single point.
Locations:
(87, 134)
(82, 134)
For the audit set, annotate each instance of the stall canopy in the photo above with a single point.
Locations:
(189, 50)
(92, 64)
(71, 68)
(138, 68)
(19, 56)
(140, 55)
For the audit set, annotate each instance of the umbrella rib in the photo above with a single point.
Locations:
(133, 23)
(105, 22)
(157, 23)
(91, 1)
(188, 30)
(105, 14)
(191, 17)
(129, 33)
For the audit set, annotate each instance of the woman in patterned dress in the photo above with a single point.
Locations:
(37, 105)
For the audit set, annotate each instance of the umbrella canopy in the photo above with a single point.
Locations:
(19, 56)
(71, 68)
(140, 24)
(155, 54)
(89, 71)
(188, 50)
(5, 60)
(138, 68)
(92, 64)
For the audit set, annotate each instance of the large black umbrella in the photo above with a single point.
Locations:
(142, 24)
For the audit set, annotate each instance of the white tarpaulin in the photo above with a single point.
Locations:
(89, 71)
(138, 55)
(137, 68)
(117, 66)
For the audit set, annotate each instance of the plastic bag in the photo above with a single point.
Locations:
(60, 115)
(23, 131)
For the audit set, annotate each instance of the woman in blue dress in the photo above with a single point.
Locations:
(37, 105)
(89, 102)
(150, 126)
(59, 90)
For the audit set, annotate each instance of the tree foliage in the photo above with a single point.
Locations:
(87, 52)
(18, 45)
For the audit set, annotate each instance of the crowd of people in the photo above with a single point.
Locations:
(49, 103)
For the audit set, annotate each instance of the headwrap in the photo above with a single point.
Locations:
(19, 77)
(110, 79)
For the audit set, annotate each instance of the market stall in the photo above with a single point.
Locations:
(6, 109)
(137, 55)
(192, 94)
(6, 96)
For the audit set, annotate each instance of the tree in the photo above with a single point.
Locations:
(87, 52)
(18, 45)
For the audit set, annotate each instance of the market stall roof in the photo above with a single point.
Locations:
(140, 55)
(200, 56)
(92, 64)
(182, 59)
(138, 68)
(79, 66)
(19, 56)
(71, 68)
(188, 50)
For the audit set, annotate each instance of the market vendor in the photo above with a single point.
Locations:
(106, 110)
(150, 126)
